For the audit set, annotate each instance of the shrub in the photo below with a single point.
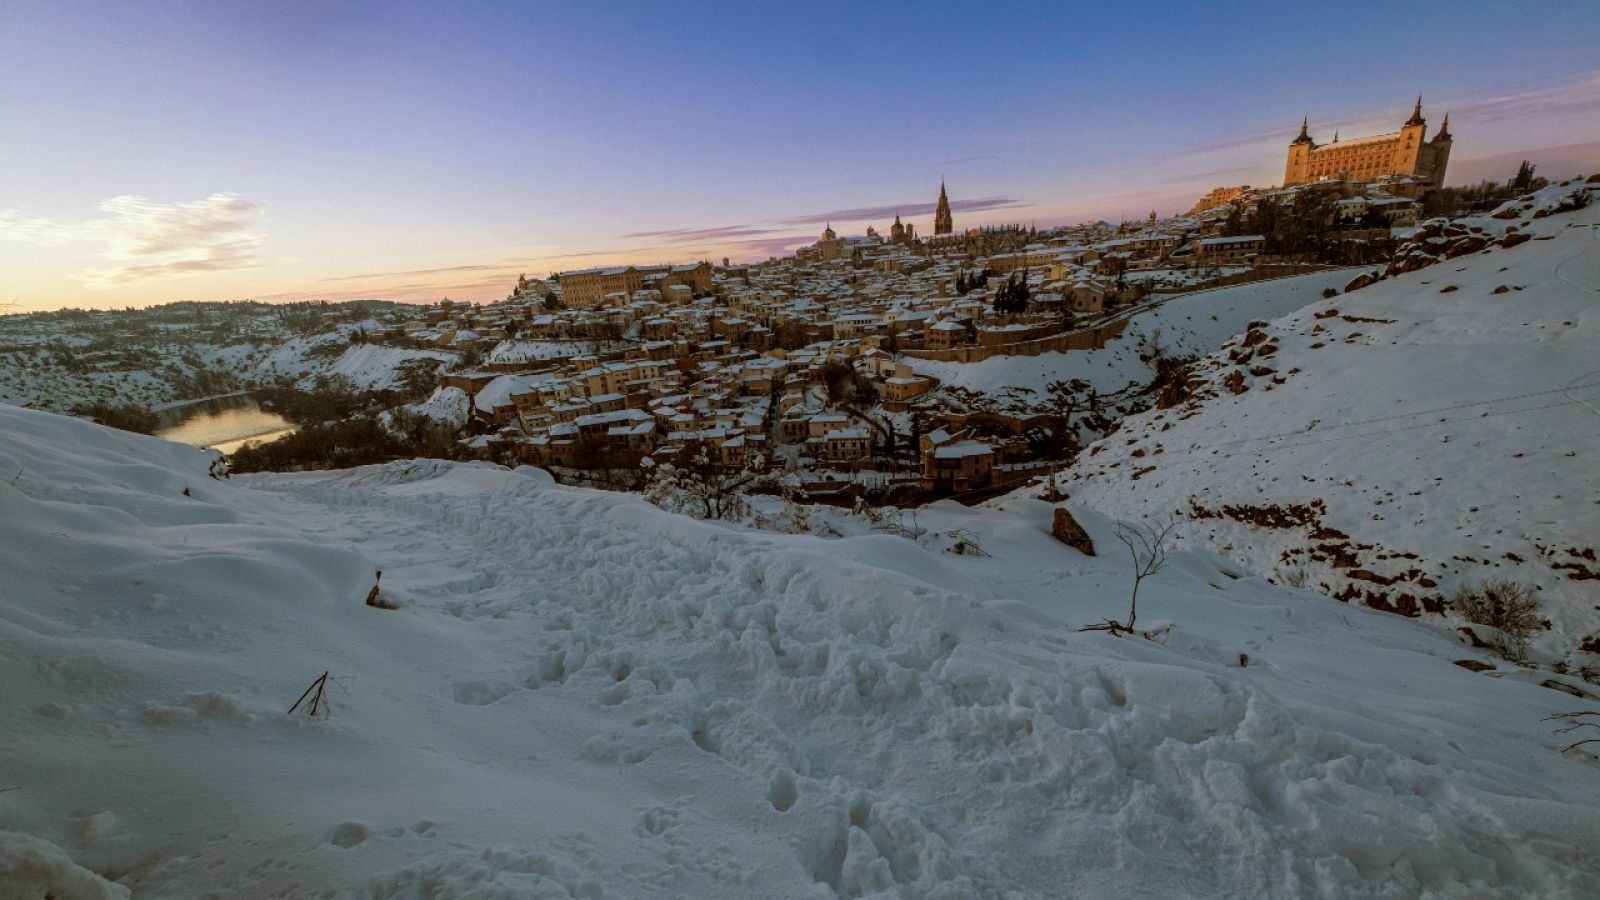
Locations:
(126, 417)
(1509, 608)
(1330, 292)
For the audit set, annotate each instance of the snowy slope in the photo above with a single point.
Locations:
(581, 695)
(372, 367)
(1186, 325)
(1447, 420)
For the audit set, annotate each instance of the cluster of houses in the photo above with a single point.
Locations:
(658, 398)
(601, 368)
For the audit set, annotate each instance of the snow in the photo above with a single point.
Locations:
(1449, 430)
(963, 449)
(372, 367)
(446, 405)
(582, 695)
(498, 392)
(33, 868)
(515, 351)
(1192, 323)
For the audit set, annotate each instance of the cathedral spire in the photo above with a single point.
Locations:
(942, 222)
(1305, 132)
(1416, 113)
(1444, 129)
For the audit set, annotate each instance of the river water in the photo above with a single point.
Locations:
(223, 423)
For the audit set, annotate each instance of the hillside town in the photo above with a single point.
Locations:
(815, 363)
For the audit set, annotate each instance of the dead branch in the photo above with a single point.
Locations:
(318, 692)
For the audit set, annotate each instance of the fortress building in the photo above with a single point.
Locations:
(1404, 152)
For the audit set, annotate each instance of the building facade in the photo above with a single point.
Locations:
(1405, 152)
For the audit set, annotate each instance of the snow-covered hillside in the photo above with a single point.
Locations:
(58, 362)
(1185, 325)
(582, 695)
(1436, 428)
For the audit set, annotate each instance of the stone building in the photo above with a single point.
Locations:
(1406, 152)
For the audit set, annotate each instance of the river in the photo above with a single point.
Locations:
(222, 423)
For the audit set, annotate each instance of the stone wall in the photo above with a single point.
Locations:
(1082, 339)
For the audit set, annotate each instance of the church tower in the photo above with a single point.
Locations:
(897, 231)
(942, 223)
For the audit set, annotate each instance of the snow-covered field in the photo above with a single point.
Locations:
(1446, 420)
(582, 695)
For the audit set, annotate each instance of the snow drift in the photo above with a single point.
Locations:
(581, 695)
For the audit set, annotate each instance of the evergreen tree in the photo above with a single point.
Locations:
(1524, 179)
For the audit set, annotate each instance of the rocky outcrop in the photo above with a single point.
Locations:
(1067, 530)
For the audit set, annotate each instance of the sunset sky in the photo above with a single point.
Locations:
(221, 150)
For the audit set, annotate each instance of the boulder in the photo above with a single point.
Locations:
(1067, 530)
(1361, 281)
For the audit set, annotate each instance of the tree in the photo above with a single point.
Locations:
(697, 484)
(1147, 546)
(1524, 179)
(1510, 609)
(1233, 225)
(1013, 295)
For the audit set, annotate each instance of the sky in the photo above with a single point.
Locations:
(226, 149)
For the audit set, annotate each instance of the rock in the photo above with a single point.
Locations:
(1515, 238)
(1500, 289)
(1448, 289)
(1067, 530)
(1369, 575)
(1361, 281)
(1474, 665)
(1234, 382)
(1565, 688)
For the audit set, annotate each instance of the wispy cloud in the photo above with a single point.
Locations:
(1507, 102)
(150, 240)
(412, 273)
(918, 208)
(1575, 96)
(690, 235)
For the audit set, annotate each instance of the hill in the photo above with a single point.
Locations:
(1431, 430)
(578, 694)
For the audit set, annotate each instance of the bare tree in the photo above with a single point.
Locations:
(1509, 608)
(1147, 545)
(697, 484)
